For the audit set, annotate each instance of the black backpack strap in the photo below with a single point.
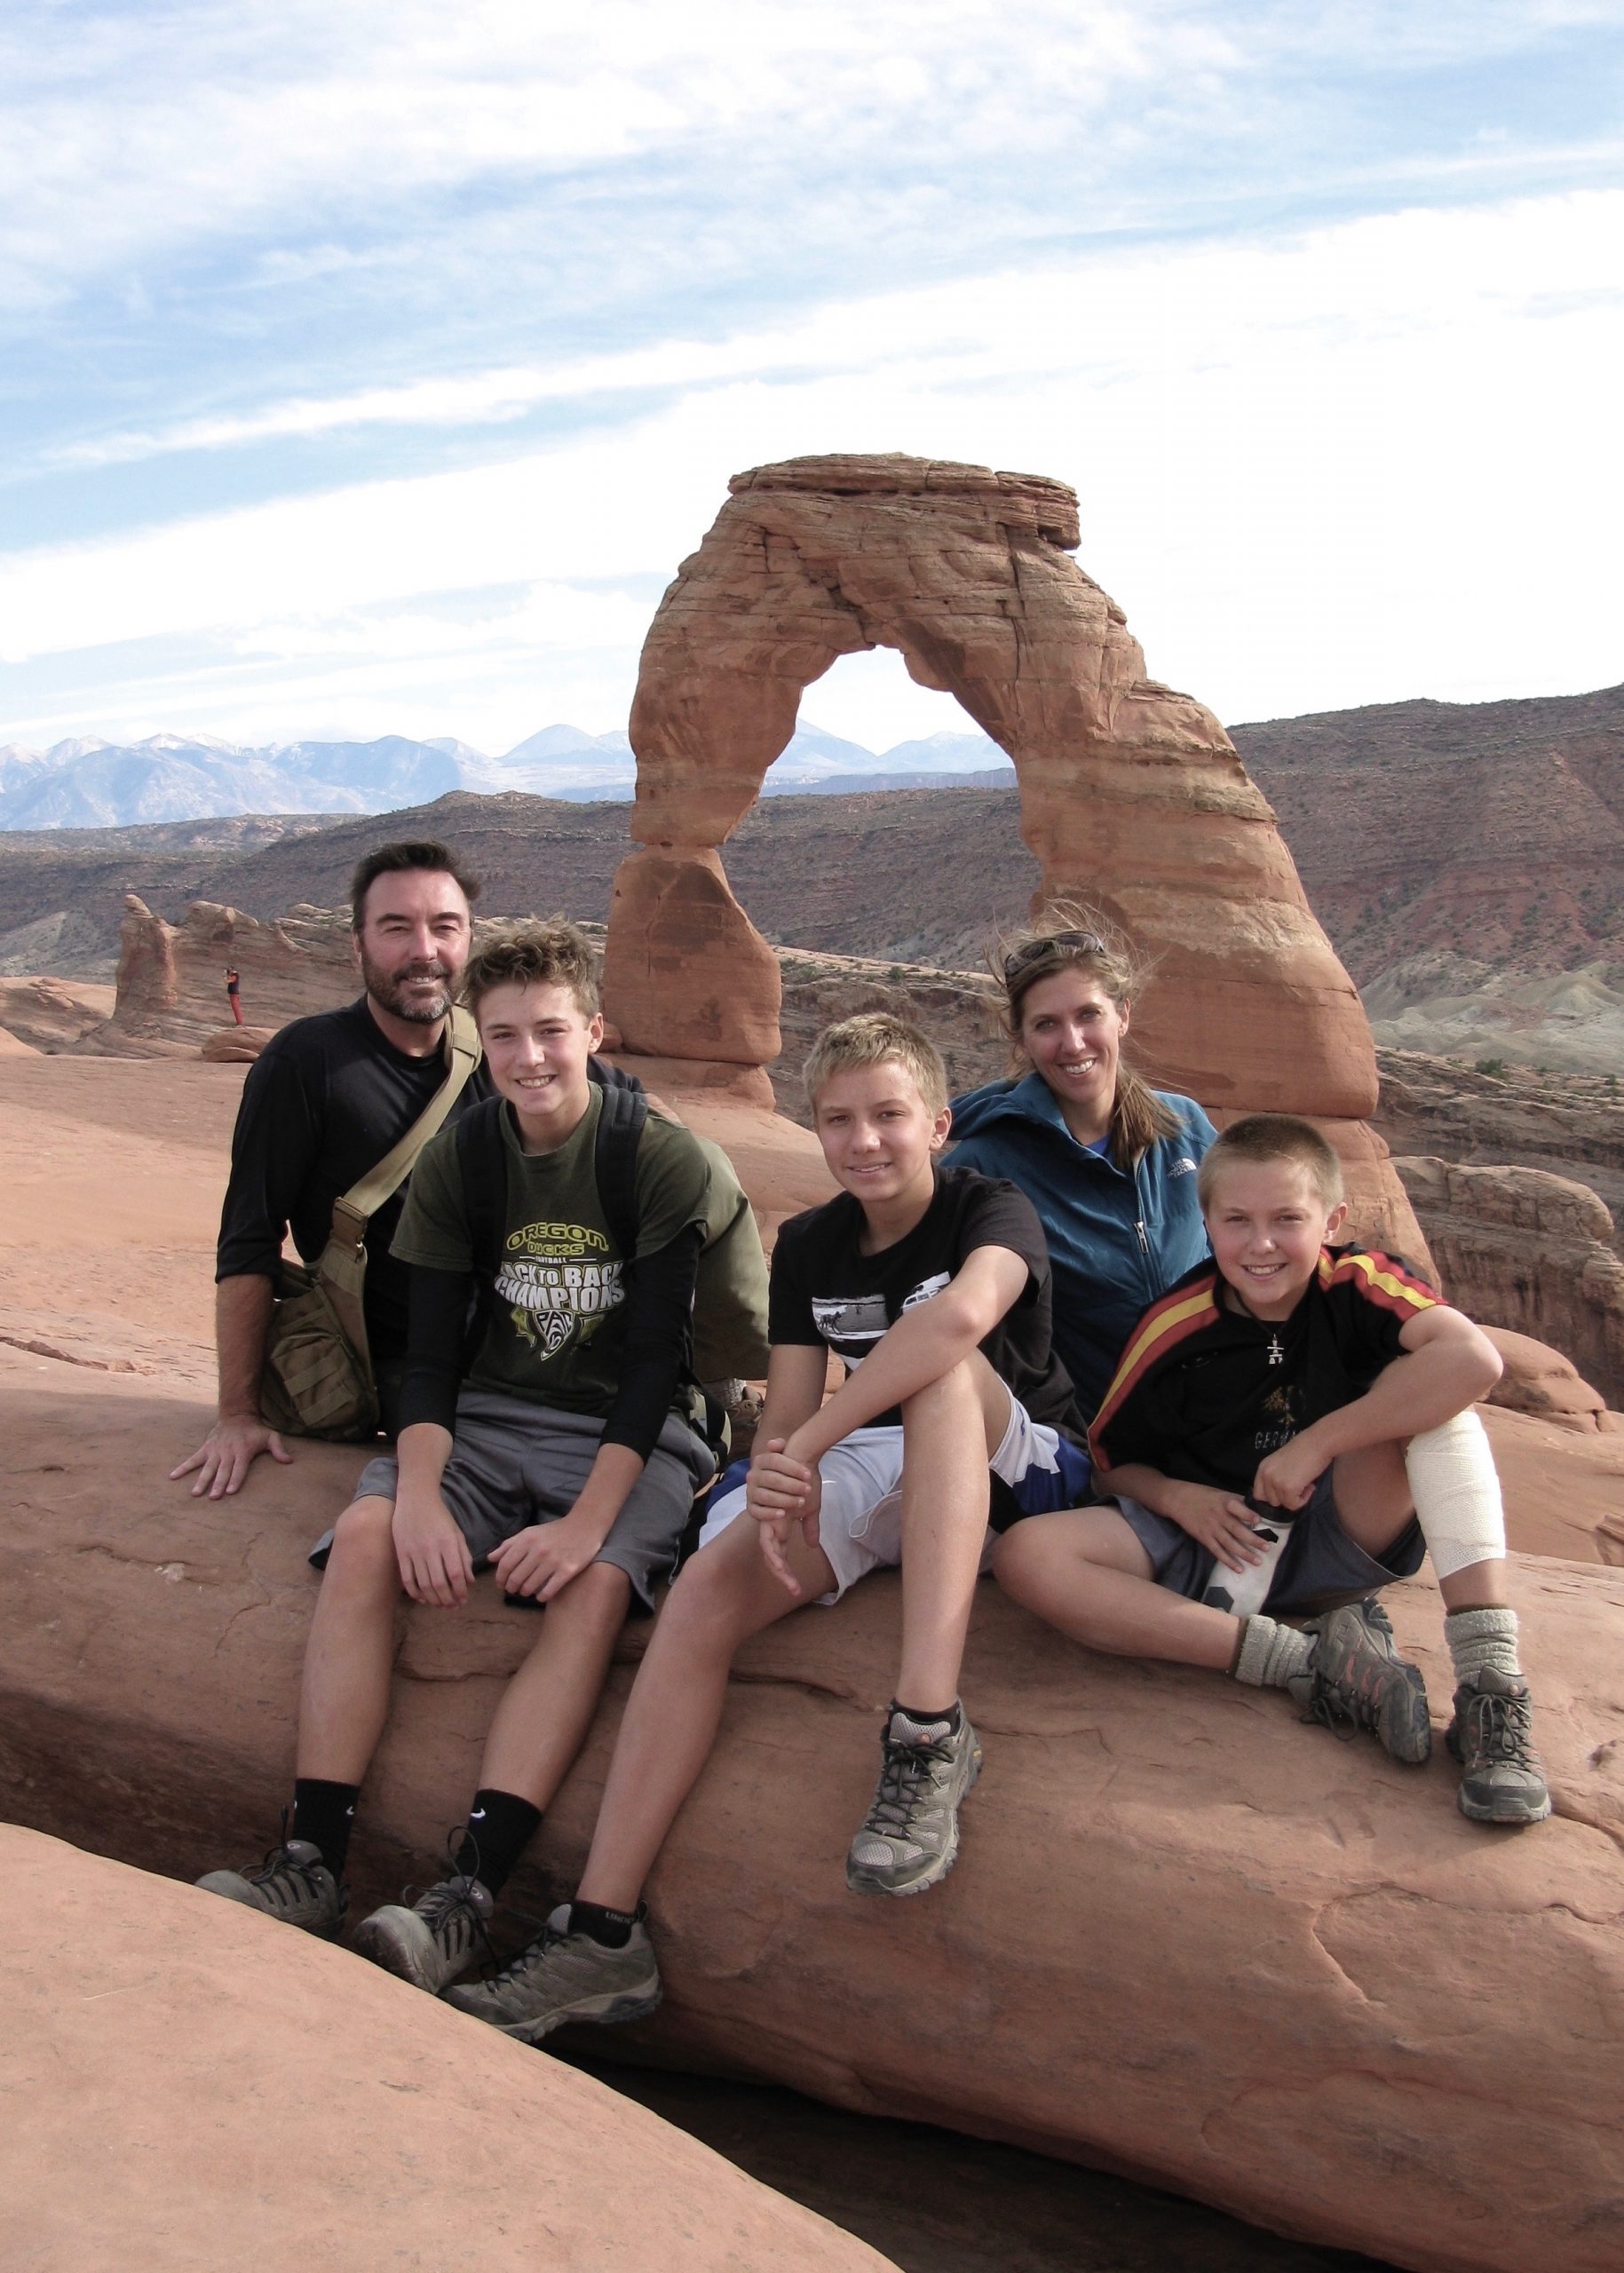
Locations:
(615, 1162)
(611, 1077)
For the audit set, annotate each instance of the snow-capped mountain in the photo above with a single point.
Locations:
(91, 783)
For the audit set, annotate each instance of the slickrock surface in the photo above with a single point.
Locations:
(1519, 1248)
(1187, 1935)
(1129, 790)
(185, 2086)
(1148, 1856)
(1564, 1490)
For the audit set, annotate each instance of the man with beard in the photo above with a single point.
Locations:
(327, 1098)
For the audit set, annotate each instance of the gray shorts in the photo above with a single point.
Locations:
(513, 1464)
(1319, 1566)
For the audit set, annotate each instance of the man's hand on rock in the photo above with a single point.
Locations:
(227, 1453)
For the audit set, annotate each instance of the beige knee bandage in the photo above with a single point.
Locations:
(1456, 1491)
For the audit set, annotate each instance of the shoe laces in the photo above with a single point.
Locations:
(1499, 1727)
(907, 1777)
(285, 1880)
(452, 1916)
(1333, 1709)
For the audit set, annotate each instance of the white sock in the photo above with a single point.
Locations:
(1270, 1653)
(1481, 1641)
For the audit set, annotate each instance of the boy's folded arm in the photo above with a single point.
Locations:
(796, 1371)
(1448, 1365)
(921, 1346)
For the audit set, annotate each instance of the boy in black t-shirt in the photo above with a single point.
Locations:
(1288, 1428)
(555, 1447)
(931, 1286)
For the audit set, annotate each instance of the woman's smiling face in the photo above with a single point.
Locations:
(1072, 1030)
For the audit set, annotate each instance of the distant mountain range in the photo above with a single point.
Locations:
(87, 783)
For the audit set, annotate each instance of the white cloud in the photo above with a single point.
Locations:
(1368, 461)
(126, 132)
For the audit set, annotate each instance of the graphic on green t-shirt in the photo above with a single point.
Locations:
(559, 1283)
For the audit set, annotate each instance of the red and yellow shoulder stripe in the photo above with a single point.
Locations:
(1166, 1324)
(1378, 1280)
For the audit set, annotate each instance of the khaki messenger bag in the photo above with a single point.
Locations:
(318, 1369)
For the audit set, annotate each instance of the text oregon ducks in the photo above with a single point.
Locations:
(558, 1282)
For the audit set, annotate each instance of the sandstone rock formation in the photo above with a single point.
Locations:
(12, 1046)
(235, 1045)
(1150, 1854)
(172, 978)
(1130, 794)
(1539, 1380)
(1519, 1248)
(194, 2099)
(51, 1014)
(1511, 1116)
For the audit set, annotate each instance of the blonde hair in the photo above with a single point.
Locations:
(1071, 937)
(553, 953)
(1264, 1136)
(876, 1038)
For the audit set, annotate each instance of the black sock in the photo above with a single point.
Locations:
(323, 1813)
(611, 1929)
(499, 1828)
(954, 1716)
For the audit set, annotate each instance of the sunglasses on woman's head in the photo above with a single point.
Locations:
(1087, 943)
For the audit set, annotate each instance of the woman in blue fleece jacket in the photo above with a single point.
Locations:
(1108, 1163)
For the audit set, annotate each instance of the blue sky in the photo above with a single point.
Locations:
(369, 369)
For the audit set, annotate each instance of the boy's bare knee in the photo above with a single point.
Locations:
(713, 1591)
(363, 1541)
(599, 1594)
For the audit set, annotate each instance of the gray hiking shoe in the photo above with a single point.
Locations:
(293, 1883)
(432, 1940)
(1491, 1737)
(564, 1976)
(910, 1838)
(1357, 1679)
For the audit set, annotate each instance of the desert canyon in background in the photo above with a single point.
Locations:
(1423, 2004)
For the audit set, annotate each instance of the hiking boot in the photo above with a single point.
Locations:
(293, 1883)
(564, 1976)
(434, 1939)
(1504, 1778)
(910, 1838)
(1357, 1679)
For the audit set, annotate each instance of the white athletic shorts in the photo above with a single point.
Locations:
(859, 1522)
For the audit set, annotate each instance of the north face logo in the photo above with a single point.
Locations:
(1183, 1166)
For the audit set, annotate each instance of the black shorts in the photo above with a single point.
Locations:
(1319, 1566)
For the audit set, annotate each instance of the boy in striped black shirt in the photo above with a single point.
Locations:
(1289, 1427)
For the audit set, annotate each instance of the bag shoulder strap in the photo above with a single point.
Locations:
(615, 1162)
(353, 1212)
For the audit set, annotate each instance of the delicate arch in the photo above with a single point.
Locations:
(1131, 794)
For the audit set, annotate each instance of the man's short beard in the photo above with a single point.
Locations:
(386, 989)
